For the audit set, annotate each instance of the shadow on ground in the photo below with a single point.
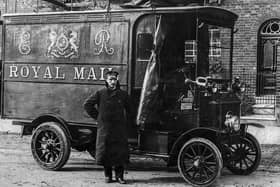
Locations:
(159, 180)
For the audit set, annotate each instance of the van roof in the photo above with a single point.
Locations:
(216, 14)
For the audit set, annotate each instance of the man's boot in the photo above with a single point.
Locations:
(108, 174)
(119, 171)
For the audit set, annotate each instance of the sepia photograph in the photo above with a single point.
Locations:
(166, 93)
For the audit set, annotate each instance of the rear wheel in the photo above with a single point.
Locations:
(200, 162)
(245, 156)
(50, 146)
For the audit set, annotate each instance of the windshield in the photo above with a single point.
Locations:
(213, 51)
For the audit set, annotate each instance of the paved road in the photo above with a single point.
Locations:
(17, 168)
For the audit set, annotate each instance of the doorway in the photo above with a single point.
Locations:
(268, 57)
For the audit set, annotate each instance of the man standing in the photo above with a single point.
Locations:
(110, 106)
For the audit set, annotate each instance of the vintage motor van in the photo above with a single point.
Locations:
(175, 62)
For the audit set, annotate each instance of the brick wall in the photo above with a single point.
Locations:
(252, 14)
(2, 6)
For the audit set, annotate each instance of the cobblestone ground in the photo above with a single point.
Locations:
(17, 168)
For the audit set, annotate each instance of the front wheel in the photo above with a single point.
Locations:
(200, 162)
(245, 155)
(50, 146)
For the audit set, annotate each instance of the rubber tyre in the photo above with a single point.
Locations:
(210, 161)
(249, 143)
(50, 146)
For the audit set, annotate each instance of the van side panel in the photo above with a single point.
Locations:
(53, 68)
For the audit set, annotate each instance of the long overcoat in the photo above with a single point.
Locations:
(111, 108)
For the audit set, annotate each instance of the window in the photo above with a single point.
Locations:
(214, 50)
(144, 45)
(190, 51)
(215, 43)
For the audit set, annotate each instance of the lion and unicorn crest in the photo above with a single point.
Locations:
(64, 43)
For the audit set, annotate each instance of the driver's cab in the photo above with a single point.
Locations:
(188, 45)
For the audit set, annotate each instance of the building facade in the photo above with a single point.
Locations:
(257, 52)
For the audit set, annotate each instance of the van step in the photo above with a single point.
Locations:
(264, 109)
(259, 117)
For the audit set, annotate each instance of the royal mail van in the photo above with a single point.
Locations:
(175, 63)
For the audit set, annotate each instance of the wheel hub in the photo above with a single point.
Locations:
(50, 144)
(198, 161)
(240, 154)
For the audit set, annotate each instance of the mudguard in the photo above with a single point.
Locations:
(52, 117)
